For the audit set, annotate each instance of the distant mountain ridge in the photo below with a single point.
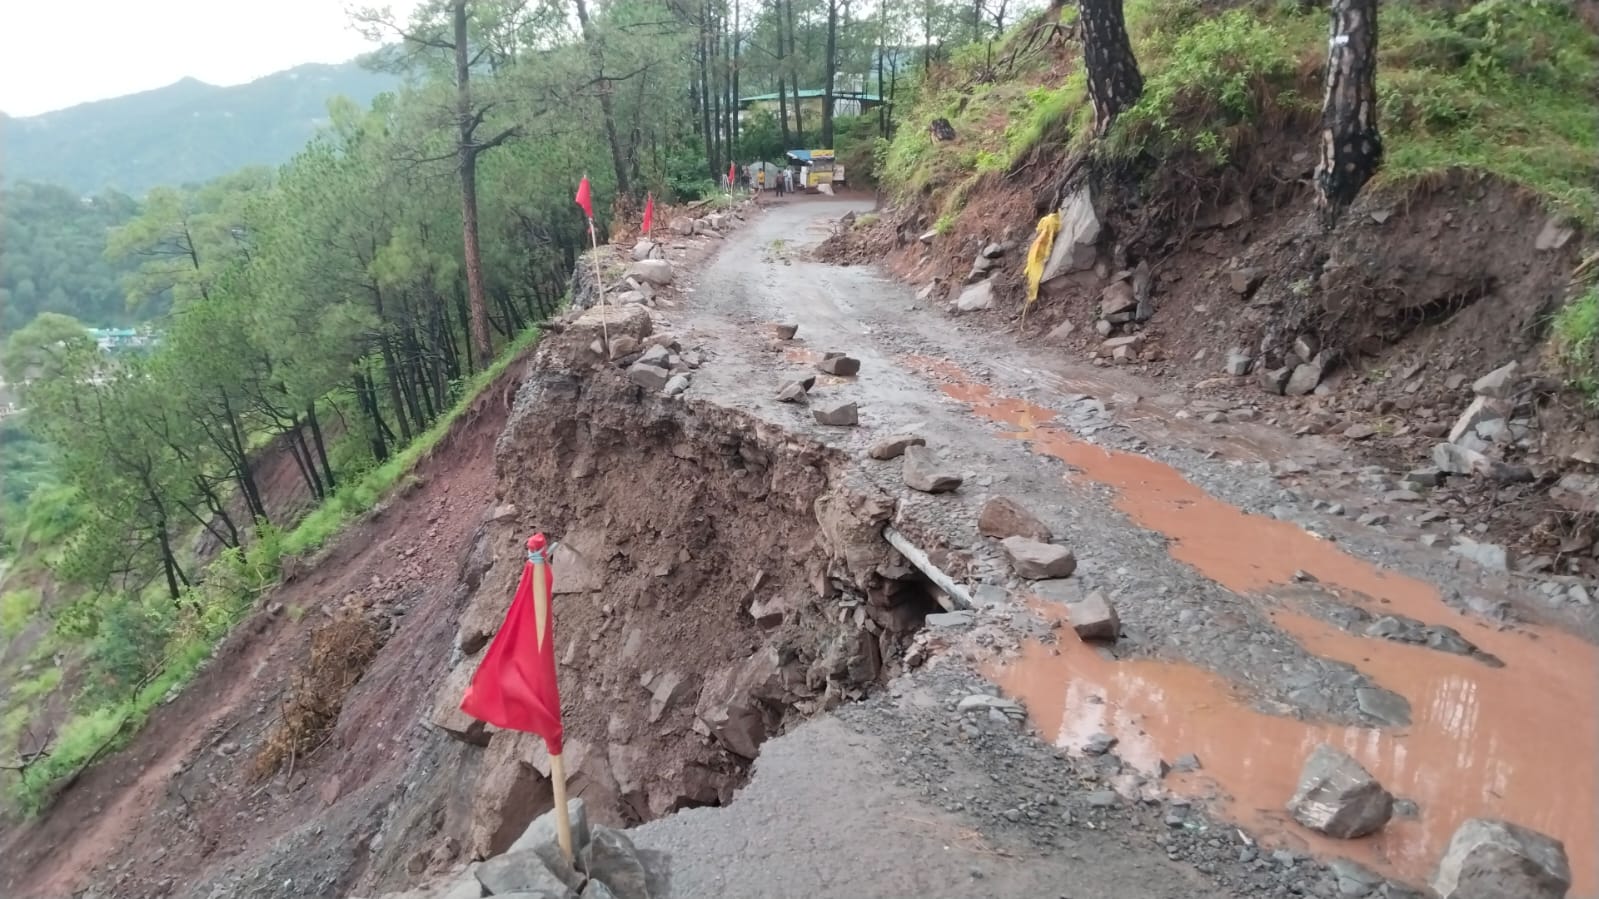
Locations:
(188, 131)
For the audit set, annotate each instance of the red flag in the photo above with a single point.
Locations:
(514, 687)
(583, 198)
(732, 174)
(649, 213)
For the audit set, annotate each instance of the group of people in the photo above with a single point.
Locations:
(782, 182)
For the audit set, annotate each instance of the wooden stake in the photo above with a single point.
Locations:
(599, 288)
(541, 623)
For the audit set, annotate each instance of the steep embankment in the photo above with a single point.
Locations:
(1191, 249)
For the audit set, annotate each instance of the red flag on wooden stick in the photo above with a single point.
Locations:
(583, 198)
(732, 173)
(649, 214)
(514, 687)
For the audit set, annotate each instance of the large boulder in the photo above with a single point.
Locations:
(1003, 517)
(730, 705)
(1076, 245)
(1037, 560)
(611, 859)
(851, 525)
(520, 872)
(976, 298)
(507, 791)
(1338, 797)
(1489, 859)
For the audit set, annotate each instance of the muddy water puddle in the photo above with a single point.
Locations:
(1517, 742)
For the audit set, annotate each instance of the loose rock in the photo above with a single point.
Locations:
(1003, 517)
(893, 446)
(653, 271)
(786, 330)
(839, 364)
(794, 392)
(1304, 379)
(643, 250)
(647, 376)
(1489, 859)
(1238, 363)
(1095, 618)
(976, 298)
(841, 415)
(1499, 383)
(1036, 560)
(1338, 797)
(1275, 380)
(924, 472)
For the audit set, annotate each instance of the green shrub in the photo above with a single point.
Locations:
(1576, 341)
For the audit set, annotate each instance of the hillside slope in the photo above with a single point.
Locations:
(185, 132)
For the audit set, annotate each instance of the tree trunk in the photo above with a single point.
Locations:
(831, 61)
(1351, 148)
(320, 446)
(706, 129)
(366, 397)
(241, 458)
(466, 153)
(1114, 83)
(793, 52)
(596, 53)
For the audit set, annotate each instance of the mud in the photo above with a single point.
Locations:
(1504, 735)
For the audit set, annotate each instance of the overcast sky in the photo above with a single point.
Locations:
(57, 53)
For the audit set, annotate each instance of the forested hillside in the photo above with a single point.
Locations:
(184, 133)
(338, 311)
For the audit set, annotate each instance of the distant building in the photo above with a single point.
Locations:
(112, 340)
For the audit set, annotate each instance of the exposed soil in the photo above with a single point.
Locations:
(1416, 294)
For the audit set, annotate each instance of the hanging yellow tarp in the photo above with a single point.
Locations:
(1038, 255)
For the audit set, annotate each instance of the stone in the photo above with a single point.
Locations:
(648, 376)
(1303, 379)
(951, 619)
(677, 385)
(519, 872)
(1186, 762)
(1489, 555)
(985, 702)
(669, 689)
(993, 251)
(1003, 517)
(1238, 363)
(793, 392)
(1099, 744)
(730, 708)
(981, 266)
(928, 235)
(837, 414)
(1036, 560)
(542, 832)
(839, 364)
(1116, 299)
(1499, 384)
(1360, 432)
(1490, 859)
(1354, 881)
(644, 249)
(893, 446)
(923, 471)
(1452, 459)
(1338, 797)
(1076, 245)
(1385, 706)
(1483, 408)
(1245, 281)
(976, 297)
(1103, 328)
(786, 330)
(612, 859)
(1101, 799)
(1094, 618)
(625, 345)
(652, 271)
(1554, 234)
(1422, 478)
(1060, 333)
(595, 889)
(1306, 346)
(683, 227)
(447, 715)
(1274, 380)
(630, 296)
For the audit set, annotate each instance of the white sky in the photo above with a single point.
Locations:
(58, 53)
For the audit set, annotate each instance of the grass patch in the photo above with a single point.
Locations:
(209, 610)
(17, 608)
(34, 687)
(1576, 338)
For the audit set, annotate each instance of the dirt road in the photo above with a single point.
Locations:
(1259, 618)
